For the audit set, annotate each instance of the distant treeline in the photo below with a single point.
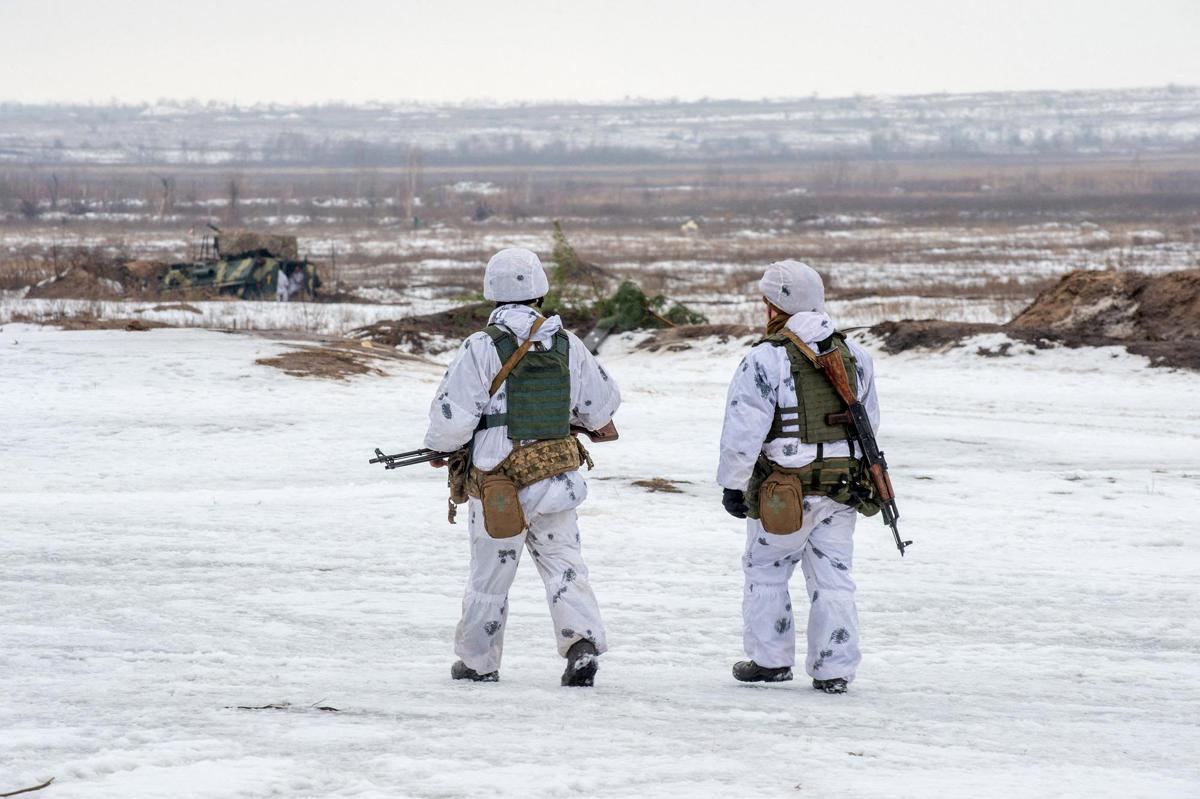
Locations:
(1123, 122)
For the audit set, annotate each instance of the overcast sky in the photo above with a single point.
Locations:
(511, 50)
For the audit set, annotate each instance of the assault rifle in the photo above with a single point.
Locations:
(854, 418)
(601, 436)
(858, 430)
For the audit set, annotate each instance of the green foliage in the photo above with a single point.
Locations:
(566, 261)
(627, 309)
(680, 314)
(630, 309)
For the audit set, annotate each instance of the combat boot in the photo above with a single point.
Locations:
(835, 686)
(461, 671)
(582, 662)
(749, 671)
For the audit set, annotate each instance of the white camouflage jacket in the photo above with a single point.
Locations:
(764, 380)
(462, 398)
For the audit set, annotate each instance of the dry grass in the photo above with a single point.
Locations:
(657, 485)
(335, 360)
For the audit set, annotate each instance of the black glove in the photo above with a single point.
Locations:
(735, 503)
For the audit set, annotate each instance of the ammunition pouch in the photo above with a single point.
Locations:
(497, 488)
(841, 479)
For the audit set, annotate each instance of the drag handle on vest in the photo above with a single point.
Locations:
(858, 425)
(601, 436)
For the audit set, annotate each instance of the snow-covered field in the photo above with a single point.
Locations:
(185, 531)
(324, 318)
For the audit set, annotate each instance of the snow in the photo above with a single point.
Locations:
(185, 531)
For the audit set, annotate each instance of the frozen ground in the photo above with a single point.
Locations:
(185, 531)
(324, 318)
(340, 318)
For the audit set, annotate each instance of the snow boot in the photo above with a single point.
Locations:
(749, 671)
(461, 671)
(582, 662)
(835, 686)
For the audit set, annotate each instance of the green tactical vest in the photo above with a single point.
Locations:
(817, 398)
(538, 389)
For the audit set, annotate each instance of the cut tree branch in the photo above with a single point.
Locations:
(29, 790)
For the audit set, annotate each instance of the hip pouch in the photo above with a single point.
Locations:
(502, 514)
(781, 503)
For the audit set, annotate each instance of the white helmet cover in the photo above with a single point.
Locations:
(793, 287)
(513, 275)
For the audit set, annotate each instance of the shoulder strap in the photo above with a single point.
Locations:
(829, 364)
(516, 357)
(805, 350)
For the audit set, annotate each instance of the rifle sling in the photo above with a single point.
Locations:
(515, 358)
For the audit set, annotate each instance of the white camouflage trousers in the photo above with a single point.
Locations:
(824, 548)
(553, 542)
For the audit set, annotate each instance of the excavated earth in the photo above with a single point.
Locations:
(1157, 316)
(419, 334)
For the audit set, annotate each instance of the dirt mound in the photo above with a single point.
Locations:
(1122, 306)
(91, 277)
(88, 322)
(334, 361)
(417, 333)
(1157, 316)
(177, 306)
(926, 333)
(676, 339)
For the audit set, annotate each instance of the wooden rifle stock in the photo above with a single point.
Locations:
(882, 482)
(601, 436)
(835, 372)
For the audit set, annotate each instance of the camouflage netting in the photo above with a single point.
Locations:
(238, 242)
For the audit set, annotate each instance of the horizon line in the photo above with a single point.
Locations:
(114, 102)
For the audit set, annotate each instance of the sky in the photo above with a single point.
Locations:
(455, 51)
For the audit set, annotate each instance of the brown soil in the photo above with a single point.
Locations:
(86, 322)
(926, 333)
(659, 484)
(177, 306)
(1155, 316)
(1118, 305)
(91, 277)
(336, 360)
(676, 339)
(415, 333)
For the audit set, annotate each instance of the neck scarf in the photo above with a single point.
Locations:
(777, 323)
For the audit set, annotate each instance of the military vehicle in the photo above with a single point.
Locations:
(243, 264)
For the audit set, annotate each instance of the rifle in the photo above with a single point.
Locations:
(858, 428)
(407, 458)
(854, 418)
(601, 436)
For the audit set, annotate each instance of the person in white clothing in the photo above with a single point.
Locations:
(557, 384)
(283, 286)
(775, 425)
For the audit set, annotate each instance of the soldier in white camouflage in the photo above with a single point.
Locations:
(519, 431)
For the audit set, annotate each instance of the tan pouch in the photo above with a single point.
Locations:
(781, 503)
(502, 514)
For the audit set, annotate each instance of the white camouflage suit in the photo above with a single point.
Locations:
(824, 545)
(552, 537)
